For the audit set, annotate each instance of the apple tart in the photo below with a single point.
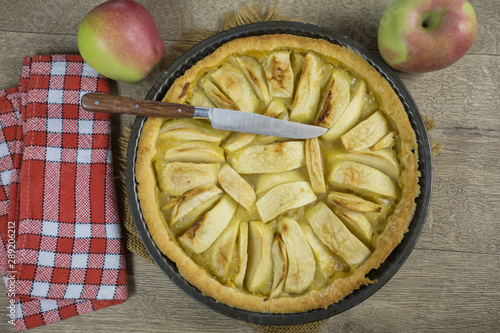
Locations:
(270, 224)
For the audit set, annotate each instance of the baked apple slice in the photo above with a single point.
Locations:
(357, 223)
(260, 261)
(192, 199)
(332, 231)
(351, 114)
(204, 232)
(177, 178)
(234, 84)
(314, 164)
(354, 202)
(196, 152)
(220, 254)
(336, 100)
(279, 74)
(277, 109)
(386, 142)
(284, 197)
(236, 187)
(305, 104)
(216, 96)
(301, 261)
(383, 160)
(275, 157)
(242, 247)
(189, 130)
(254, 73)
(237, 140)
(280, 265)
(267, 181)
(362, 179)
(327, 261)
(366, 133)
(199, 98)
(181, 225)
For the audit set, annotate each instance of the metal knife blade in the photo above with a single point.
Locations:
(230, 120)
(255, 123)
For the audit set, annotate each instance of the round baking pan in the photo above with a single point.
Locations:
(395, 259)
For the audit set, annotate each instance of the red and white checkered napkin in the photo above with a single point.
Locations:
(61, 252)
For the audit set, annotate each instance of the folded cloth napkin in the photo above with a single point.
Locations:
(61, 252)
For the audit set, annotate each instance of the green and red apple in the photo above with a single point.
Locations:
(120, 40)
(418, 36)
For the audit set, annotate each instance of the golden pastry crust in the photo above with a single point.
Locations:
(342, 284)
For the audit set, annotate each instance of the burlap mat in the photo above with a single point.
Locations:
(246, 14)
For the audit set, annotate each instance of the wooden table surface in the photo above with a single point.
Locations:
(450, 282)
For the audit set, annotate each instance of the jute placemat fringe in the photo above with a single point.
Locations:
(251, 13)
(246, 14)
(131, 237)
(429, 123)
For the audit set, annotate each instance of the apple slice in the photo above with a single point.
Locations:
(357, 223)
(336, 100)
(181, 225)
(280, 265)
(254, 73)
(260, 261)
(237, 140)
(301, 261)
(279, 74)
(275, 157)
(204, 232)
(387, 141)
(179, 177)
(354, 202)
(307, 94)
(216, 96)
(235, 85)
(327, 261)
(266, 181)
(362, 179)
(277, 109)
(236, 187)
(351, 114)
(383, 160)
(314, 164)
(195, 151)
(190, 130)
(199, 98)
(242, 246)
(366, 133)
(220, 254)
(192, 199)
(284, 197)
(331, 231)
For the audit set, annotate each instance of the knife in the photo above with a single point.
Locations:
(230, 120)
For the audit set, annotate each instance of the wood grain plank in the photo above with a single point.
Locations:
(431, 292)
(155, 305)
(175, 18)
(464, 95)
(465, 202)
(450, 281)
(434, 291)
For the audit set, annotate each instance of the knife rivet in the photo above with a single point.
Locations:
(96, 102)
(137, 106)
(179, 110)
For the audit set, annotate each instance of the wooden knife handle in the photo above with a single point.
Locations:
(117, 104)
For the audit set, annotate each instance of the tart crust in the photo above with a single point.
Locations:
(396, 223)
